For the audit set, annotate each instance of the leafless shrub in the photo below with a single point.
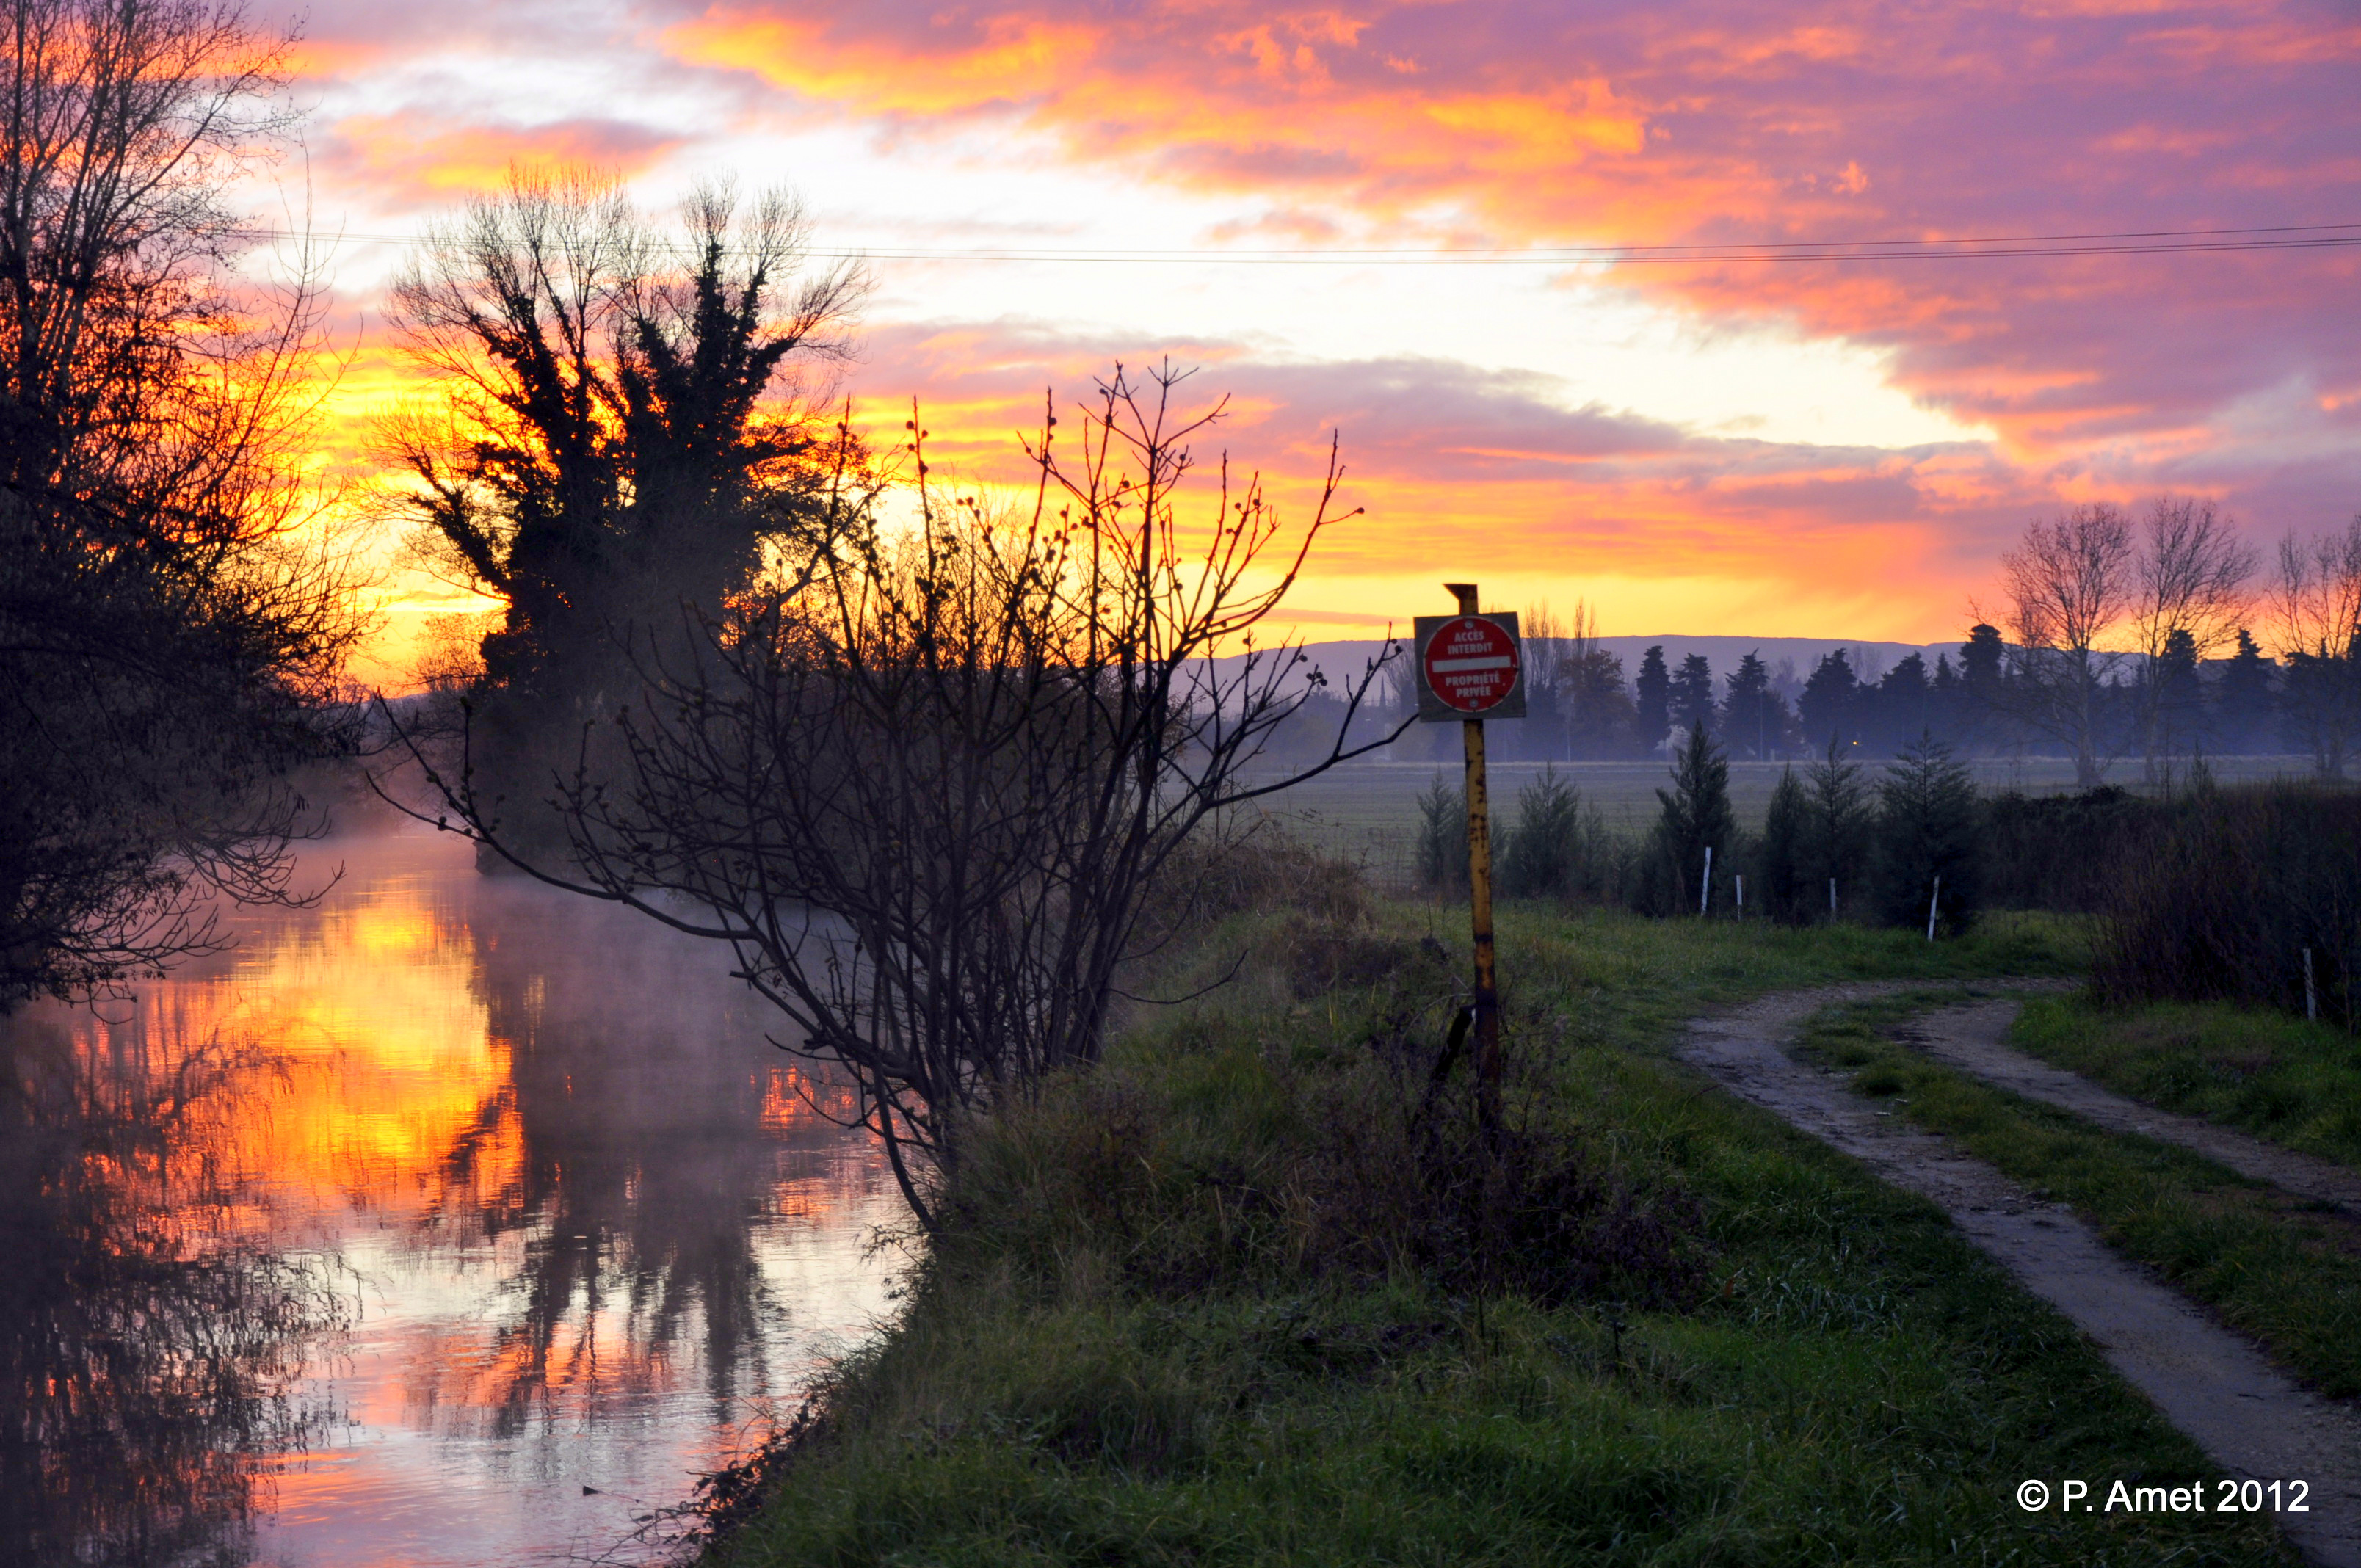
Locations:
(2316, 611)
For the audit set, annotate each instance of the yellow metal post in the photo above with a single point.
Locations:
(1486, 1001)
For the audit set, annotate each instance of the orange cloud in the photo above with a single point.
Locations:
(1708, 121)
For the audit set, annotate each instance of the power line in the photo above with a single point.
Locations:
(2132, 242)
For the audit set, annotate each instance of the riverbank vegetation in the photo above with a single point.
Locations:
(1236, 1295)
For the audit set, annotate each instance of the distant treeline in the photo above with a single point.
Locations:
(2248, 893)
(1582, 705)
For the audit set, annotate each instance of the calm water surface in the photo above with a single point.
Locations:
(380, 1239)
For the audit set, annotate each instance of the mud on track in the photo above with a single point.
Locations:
(2215, 1386)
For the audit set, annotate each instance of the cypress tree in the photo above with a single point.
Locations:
(1653, 688)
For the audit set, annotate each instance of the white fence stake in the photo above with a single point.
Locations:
(1705, 883)
(1832, 899)
(1741, 895)
(1934, 898)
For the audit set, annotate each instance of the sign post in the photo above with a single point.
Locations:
(1471, 667)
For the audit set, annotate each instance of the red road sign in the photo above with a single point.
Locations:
(1471, 664)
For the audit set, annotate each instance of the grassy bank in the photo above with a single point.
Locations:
(1224, 1300)
(2286, 1271)
(2277, 1077)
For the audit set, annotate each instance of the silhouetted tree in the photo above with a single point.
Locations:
(2173, 701)
(1838, 842)
(1691, 695)
(2070, 582)
(1694, 816)
(1829, 705)
(1925, 831)
(2316, 603)
(1791, 889)
(1752, 715)
(2244, 702)
(1984, 663)
(2191, 590)
(1653, 690)
(623, 440)
(170, 633)
(1946, 701)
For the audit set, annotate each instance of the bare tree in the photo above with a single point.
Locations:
(169, 635)
(2316, 610)
(2068, 582)
(924, 793)
(2189, 600)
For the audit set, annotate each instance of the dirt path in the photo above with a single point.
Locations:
(1971, 1038)
(2215, 1386)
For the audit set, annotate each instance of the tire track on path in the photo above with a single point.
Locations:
(2251, 1417)
(1974, 1040)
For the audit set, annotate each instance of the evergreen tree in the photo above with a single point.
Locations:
(1696, 817)
(1900, 705)
(1752, 714)
(1983, 670)
(1544, 856)
(1831, 699)
(1783, 864)
(2177, 715)
(1654, 689)
(1692, 695)
(1926, 828)
(1598, 719)
(1838, 845)
(1443, 837)
(1944, 694)
(2244, 716)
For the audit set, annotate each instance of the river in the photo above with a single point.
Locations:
(449, 1222)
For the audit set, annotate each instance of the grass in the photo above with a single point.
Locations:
(2279, 1078)
(1146, 1344)
(2286, 1271)
(1174, 1323)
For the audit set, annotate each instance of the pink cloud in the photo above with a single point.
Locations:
(1717, 122)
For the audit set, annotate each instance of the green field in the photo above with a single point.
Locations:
(1368, 811)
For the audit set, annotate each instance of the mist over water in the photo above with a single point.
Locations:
(380, 1238)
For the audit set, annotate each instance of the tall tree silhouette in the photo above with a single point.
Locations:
(1830, 702)
(1653, 687)
(171, 636)
(623, 434)
(1691, 695)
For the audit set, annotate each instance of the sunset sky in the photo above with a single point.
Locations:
(1804, 448)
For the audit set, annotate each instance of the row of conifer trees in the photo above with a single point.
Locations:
(1838, 842)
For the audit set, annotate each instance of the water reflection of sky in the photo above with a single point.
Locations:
(443, 1201)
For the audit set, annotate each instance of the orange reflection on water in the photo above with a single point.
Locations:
(541, 1209)
(378, 1056)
